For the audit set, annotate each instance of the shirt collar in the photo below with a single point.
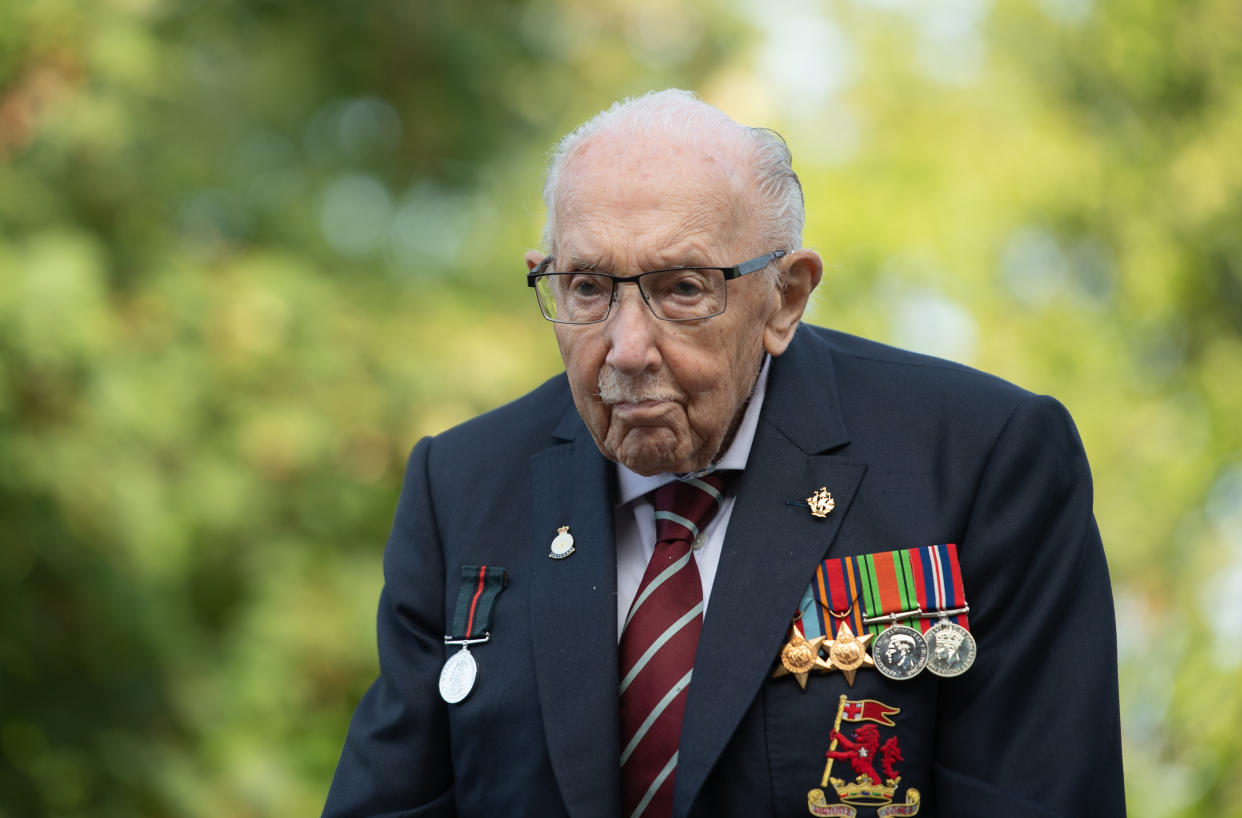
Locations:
(631, 486)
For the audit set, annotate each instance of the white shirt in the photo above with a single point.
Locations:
(634, 516)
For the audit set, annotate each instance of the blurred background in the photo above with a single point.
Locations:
(251, 251)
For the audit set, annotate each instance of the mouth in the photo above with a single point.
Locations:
(633, 393)
(633, 410)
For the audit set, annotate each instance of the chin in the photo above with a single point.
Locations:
(650, 464)
(641, 462)
(643, 450)
(646, 463)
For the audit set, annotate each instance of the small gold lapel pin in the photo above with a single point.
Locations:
(821, 502)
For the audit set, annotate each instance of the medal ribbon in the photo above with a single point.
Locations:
(811, 618)
(837, 588)
(887, 585)
(480, 585)
(938, 582)
(872, 585)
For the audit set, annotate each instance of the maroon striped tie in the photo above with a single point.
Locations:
(658, 643)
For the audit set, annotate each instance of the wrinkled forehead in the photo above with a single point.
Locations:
(662, 190)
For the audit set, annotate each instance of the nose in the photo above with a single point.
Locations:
(632, 333)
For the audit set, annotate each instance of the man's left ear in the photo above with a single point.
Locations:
(803, 270)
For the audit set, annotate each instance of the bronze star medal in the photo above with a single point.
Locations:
(847, 653)
(800, 656)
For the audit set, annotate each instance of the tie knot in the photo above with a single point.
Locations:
(683, 508)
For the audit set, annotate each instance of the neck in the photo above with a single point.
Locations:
(733, 427)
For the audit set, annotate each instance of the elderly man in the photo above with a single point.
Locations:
(594, 595)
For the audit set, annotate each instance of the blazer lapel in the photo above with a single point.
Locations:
(770, 552)
(574, 620)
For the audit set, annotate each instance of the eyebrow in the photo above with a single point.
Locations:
(572, 262)
(691, 259)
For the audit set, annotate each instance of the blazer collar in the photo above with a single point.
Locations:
(573, 621)
(803, 403)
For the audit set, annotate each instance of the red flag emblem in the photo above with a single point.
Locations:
(868, 710)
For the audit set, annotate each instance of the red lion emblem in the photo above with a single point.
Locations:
(860, 753)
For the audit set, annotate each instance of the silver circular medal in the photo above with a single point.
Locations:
(899, 652)
(457, 676)
(950, 649)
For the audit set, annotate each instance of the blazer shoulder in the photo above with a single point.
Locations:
(870, 365)
(904, 405)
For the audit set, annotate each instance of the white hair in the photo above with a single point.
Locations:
(678, 113)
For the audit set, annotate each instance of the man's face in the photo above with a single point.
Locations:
(898, 651)
(947, 645)
(659, 396)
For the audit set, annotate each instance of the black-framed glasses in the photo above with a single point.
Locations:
(676, 294)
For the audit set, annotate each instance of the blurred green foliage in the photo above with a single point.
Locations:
(251, 251)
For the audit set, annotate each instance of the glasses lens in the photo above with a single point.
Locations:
(574, 298)
(684, 295)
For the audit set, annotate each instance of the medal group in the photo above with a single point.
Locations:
(907, 606)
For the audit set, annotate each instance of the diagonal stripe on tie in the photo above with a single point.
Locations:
(707, 487)
(655, 586)
(657, 711)
(660, 778)
(680, 520)
(660, 642)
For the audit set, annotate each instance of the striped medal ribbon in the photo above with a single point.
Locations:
(890, 598)
(476, 596)
(938, 582)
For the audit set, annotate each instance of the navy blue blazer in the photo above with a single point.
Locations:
(915, 451)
